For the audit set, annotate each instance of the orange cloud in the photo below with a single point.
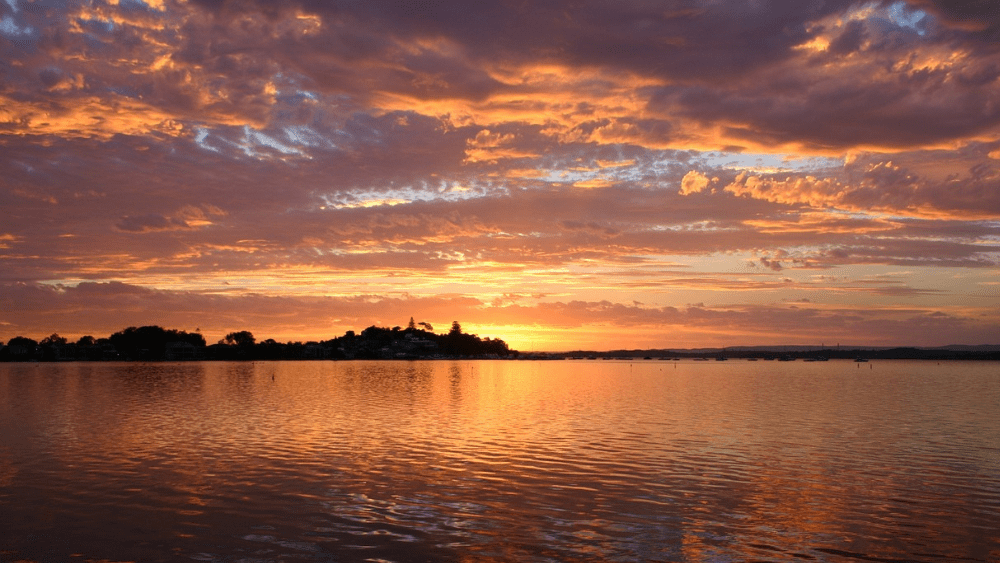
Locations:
(694, 182)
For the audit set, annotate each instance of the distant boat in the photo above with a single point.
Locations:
(751, 359)
(721, 359)
(786, 359)
(861, 360)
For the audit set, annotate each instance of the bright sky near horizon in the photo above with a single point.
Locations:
(562, 174)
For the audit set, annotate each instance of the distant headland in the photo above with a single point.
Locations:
(807, 353)
(155, 343)
(417, 341)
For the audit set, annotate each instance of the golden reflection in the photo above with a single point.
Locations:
(8, 471)
(579, 459)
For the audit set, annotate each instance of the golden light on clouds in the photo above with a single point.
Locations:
(556, 177)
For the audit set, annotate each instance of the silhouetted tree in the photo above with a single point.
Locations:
(86, 341)
(149, 342)
(427, 327)
(243, 338)
(53, 340)
(19, 348)
(412, 325)
(456, 328)
(53, 348)
(22, 341)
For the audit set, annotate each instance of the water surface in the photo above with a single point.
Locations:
(500, 461)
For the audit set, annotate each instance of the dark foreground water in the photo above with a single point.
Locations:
(500, 461)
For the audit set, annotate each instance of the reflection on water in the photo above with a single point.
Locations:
(500, 461)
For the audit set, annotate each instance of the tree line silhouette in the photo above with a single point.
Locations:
(154, 343)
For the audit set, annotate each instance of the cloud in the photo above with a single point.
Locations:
(640, 74)
(151, 222)
(905, 184)
(596, 152)
(694, 182)
(490, 147)
(971, 15)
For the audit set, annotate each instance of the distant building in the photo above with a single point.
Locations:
(20, 352)
(182, 351)
(315, 351)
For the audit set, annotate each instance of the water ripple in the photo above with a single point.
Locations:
(500, 461)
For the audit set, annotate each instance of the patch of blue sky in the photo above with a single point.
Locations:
(767, 163)
(398, 196)
(576, 174)
(902, 15)
(135, 5)
(851, 214)
(640, 172)
(295, 97)
(253, 139)
(13, 5)
(290, 90)
(303, 135)
(290, 141)
(201, 136)
(559, 176)
(10, 29)
(126, 91)
(96, 25)
(667, 167)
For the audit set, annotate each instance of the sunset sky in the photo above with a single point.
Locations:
(562, 174)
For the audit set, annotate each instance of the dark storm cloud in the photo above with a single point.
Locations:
(151, 222)
(741, 66)
(737, 64)
(678, 38)
(978, 16)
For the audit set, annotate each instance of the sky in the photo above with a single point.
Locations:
(562, 174)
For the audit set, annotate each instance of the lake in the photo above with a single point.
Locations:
(484, 461)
